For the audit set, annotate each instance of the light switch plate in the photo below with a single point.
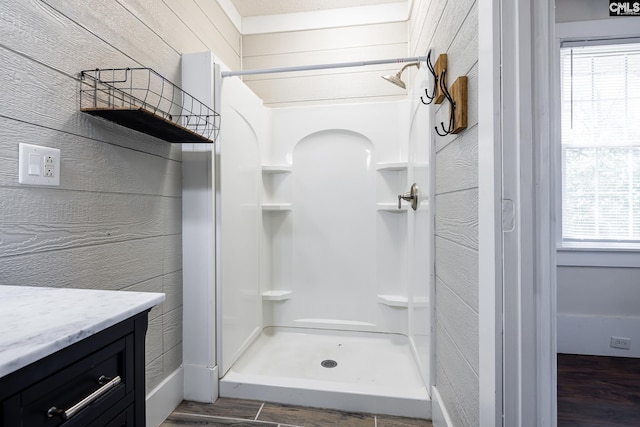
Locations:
(38, 165)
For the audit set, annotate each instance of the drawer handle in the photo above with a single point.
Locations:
(65, 415)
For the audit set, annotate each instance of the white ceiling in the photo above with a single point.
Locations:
(276, 7)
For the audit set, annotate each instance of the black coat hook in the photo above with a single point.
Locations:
(452, 109)
(435, 81)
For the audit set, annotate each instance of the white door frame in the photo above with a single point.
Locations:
(529, 241)
(489, 214)
(517, 227)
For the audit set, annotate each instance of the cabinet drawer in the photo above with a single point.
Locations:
(83, 390)
(123, 419)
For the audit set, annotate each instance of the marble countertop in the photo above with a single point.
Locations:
(36, 322)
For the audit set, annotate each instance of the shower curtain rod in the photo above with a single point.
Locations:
(322, 66)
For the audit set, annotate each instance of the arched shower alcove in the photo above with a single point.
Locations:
(317, 303)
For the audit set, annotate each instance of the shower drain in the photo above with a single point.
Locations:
(328, 363)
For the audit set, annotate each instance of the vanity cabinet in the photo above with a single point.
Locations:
(97, 381)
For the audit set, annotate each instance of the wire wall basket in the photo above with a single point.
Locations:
(141, 99)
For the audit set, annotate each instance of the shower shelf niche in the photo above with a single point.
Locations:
(392, 181)
(277, 207)
(276, 295)
(269, 169)
(391, 207)
(143, 100)
(402, 301)
(392, 166)
(394, 300)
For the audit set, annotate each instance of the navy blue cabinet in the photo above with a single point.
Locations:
(96, 382)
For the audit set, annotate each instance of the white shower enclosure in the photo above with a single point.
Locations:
(325, 285)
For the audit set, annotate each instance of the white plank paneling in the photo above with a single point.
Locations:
(172, 288)
(352, 54)
(106, 21)
(153, 340)
(451, 27)
(153, 373)
(457, 217)
(111, 266)
(423, 25)
(163, 22)
(218, 18)
(462, 400)
(47, 36)
(116, 221)
(152, 285)
(171, 359)
(172, 253)
(457, 164)
(325, 87)
(325, 46)
(324, 39)
(89, 165)
(457, 267)
(449, 397)
(171, 329)
(463, 51)
(79, 219)
(461, 323)
(226, 47)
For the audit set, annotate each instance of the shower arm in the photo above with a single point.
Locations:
(322, 66)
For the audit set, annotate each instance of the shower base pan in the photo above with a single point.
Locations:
(349, 371)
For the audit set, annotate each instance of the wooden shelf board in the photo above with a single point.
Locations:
(145, 121)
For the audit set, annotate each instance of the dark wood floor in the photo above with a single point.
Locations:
(251, 413)
(593, 391)
(598, 391)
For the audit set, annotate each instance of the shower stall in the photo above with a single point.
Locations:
(325, 275)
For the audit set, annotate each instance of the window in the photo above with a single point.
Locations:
(600, 151)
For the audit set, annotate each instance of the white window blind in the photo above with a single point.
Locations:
(601, 143)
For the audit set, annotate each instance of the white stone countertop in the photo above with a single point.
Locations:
(36, 322)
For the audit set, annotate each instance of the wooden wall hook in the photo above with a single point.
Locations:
(458, 93)
(439, 67)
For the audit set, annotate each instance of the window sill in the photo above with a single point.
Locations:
(579, 255)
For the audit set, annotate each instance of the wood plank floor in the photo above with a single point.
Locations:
(593, 391)
(598, 391)
(251, 413)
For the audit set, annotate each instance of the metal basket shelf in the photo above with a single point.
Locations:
(143, 100)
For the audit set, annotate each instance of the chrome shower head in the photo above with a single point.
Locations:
(395, 78)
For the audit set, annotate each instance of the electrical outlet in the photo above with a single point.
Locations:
(38, 165)
(621, 343)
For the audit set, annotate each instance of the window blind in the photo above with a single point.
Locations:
(600, 130)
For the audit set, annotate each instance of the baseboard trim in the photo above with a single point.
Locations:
(440, 416)
(582, 334)
(201, 383)
(163, 399)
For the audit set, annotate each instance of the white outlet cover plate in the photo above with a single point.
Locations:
(37, 174)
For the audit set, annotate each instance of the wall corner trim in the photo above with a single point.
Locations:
(163, 399)
(440, 416)
(201, 383)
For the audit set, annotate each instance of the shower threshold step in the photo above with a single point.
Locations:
(343, 370)
(239, 387)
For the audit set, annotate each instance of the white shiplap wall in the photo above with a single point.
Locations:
(325, 46)
(115, 220)
(452, 28)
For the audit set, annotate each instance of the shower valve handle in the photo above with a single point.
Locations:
(411, 196)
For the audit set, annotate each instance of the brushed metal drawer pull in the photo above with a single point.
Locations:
(65, 415)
